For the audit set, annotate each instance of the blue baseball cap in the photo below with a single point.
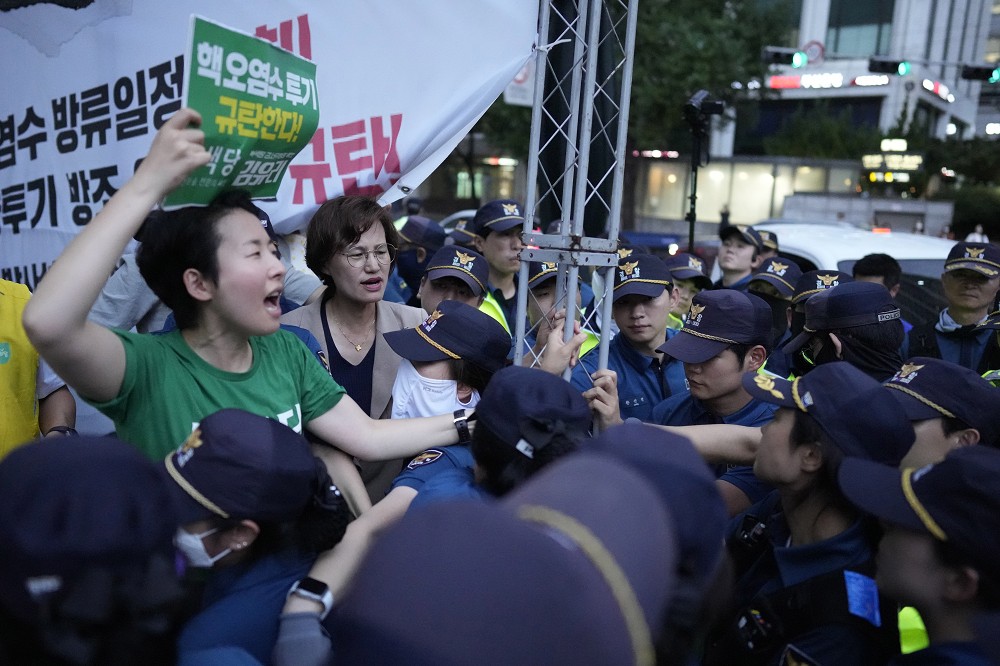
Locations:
(685, 266)
(860, 417)
(467, 265)
(769, 239)
(549, 575)
(454, 331)
(525, 407)
(956, 500)
(463, 233)
(747, 233)
(717, 319)
(541, 271)
(642, 274)
(983, 258)
(240, 465)
(74, 505)
(813, 282)
(846, 306)
(425, 232)
(781, 273)
(683, 479)
(931, 388)
(499, 215)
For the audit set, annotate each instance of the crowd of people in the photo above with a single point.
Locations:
(344, 464)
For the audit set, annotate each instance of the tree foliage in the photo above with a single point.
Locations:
(682, 46)
(818, 132)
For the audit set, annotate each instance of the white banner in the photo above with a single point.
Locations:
(400, 84)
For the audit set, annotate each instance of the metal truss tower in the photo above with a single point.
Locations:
(576, 158)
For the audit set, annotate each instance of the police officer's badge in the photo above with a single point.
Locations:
(432, 320)
(624, 252)
(826, 281)
(510, 209)
(425, 458)
(694, 314)
(907, 373)
(777, 269)
(628, 270)
(463, 260)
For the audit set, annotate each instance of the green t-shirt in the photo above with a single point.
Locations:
(168, 388)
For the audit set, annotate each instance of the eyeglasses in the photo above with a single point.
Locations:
(384, 254)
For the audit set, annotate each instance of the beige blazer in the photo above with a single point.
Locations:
(390, 317)
(377, 476)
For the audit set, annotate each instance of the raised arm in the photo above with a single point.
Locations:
(86, 355)
(348, 428)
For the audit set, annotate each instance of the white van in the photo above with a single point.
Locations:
(840, 245)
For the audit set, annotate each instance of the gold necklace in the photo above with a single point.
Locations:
(357, 345)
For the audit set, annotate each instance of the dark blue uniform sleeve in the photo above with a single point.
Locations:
(432, 462)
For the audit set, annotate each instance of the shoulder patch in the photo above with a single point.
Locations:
(425, 458)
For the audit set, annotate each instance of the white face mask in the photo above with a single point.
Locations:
(414, 395)
(193, 548)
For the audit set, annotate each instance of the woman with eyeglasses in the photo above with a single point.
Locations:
(350, 245)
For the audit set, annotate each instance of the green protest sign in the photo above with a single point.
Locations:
(259, 108)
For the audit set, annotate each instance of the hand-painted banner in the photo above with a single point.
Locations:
(258, 106)
(399, 85)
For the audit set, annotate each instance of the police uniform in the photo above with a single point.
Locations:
(643, 381)
(718, 320)
(970, 346)
(684, 409)
(814, 602)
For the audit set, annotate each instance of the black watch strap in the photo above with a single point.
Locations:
(462, 425)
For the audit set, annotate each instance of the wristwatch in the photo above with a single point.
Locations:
(314, 590)
(462, 425)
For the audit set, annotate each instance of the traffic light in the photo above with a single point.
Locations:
(777, 55)
(888, 66)
(988, 73)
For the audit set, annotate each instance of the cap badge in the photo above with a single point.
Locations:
(695, 263)
(463, 260)
(777, 269)
(766, 383)
(624, 252)
(694, 315)
(629, 270)
(432, 320)
(510, 209)
(186, 450)
(907, 373)
(827, 281)
(549, 265)
(460, 225)
(975, 252)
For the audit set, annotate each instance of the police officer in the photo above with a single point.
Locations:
(419, 239)
(642, 300)
(454, 274)
(857, 322)
(804, 557)
(971, 280)
(774, 283)
(688, 274)
(942, 548)
(727, 333)
(497, 225)
(739, 256)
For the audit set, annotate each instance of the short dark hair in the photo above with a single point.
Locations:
(174, 241)
(950, 425)
(879, 265)
(988, 592)
(338, 224)
(469, 373)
